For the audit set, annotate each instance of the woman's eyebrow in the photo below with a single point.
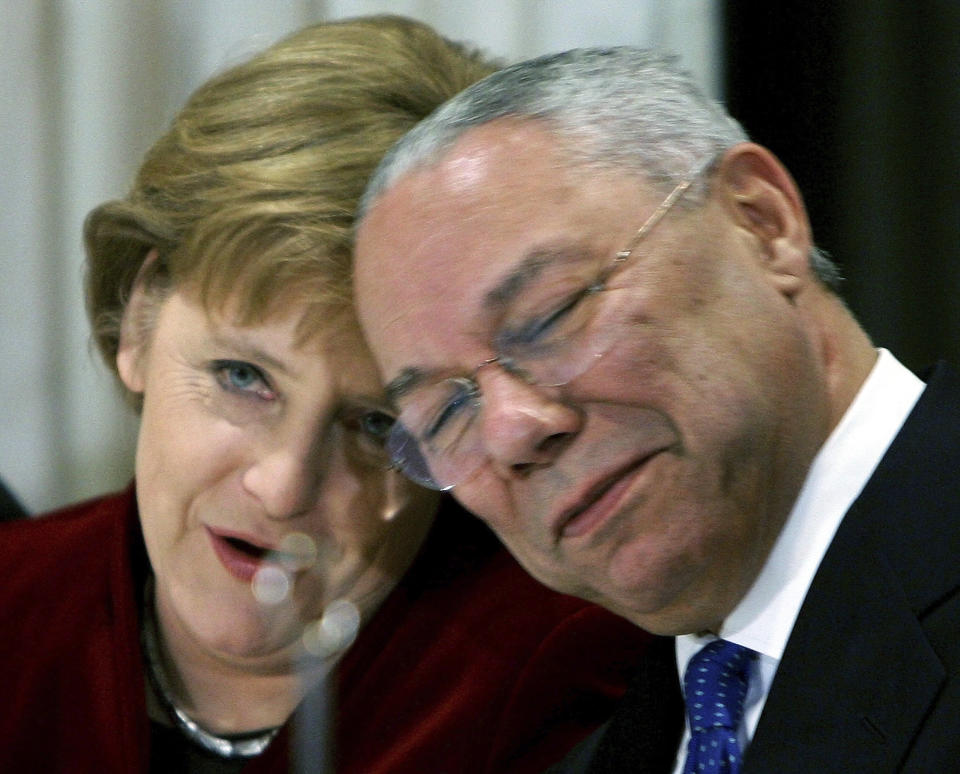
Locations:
(247, 350)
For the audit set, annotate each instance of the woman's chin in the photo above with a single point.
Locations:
(248, 632)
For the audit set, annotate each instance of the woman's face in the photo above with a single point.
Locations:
(261, 483)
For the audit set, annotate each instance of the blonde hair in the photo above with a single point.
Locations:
(250, 195)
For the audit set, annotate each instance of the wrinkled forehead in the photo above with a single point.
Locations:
(434, 250)
(421, 244)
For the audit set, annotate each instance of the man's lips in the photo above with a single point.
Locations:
(599, 501)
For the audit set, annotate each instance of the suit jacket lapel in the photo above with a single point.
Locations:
(856, 678)
(859, 675)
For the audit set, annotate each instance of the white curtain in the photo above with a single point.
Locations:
(88, 84)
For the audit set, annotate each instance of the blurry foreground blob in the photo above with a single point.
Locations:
(397, 496)
(271, 585)
(298, 551)
(335, 631)
(272, 582)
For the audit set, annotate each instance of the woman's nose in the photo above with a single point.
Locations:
(523, 425)
(285, 480)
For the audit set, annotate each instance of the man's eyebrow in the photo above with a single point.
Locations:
(405, 382)
(526, 271)
(506, 290)
(367, 402)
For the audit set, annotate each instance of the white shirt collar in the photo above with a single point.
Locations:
(765, 616)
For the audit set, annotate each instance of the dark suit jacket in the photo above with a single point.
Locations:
(870, 678)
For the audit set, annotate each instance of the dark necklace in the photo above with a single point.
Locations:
(235, 746)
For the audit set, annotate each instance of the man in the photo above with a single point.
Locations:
(603, 320)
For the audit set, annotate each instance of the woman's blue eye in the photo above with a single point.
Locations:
(240, 377)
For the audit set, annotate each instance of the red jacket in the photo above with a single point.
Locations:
(469, 666)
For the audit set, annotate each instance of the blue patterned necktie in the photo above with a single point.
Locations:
(714, 687)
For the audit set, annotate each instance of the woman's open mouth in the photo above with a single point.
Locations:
(248, 548)
(240, 557)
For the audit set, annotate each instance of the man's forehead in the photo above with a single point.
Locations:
(432, 213)
(484, 163)
(449, 244)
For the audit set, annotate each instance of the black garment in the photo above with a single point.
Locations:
(644, 732)
(172, 753)
(10, 507)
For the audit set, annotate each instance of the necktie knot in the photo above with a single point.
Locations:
(715, 686)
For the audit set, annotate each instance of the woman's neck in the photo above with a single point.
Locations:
(228, 695)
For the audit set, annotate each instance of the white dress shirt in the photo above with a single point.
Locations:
(765, 616)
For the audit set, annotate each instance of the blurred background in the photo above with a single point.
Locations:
(860, 100)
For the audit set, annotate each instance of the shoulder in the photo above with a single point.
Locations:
(85, 516)
(66, 532)
(888, 588)
(68, 610)
(65, 554)
(485, 671)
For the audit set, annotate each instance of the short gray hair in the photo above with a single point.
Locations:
(620, 107)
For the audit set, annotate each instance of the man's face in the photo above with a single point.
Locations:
(656, 481)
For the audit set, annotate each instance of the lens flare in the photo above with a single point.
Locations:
(298, 551)
(335, 631)
(271, 585)
(397, 496)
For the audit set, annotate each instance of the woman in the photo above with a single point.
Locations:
(182, 625)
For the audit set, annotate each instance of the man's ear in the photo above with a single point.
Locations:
(763, 198)
(135, 328)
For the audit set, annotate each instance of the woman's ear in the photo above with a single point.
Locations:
(763, 198)
(135, 327)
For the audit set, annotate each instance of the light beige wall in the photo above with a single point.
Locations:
(88, 84)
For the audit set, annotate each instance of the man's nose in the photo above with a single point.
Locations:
(523, 425)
